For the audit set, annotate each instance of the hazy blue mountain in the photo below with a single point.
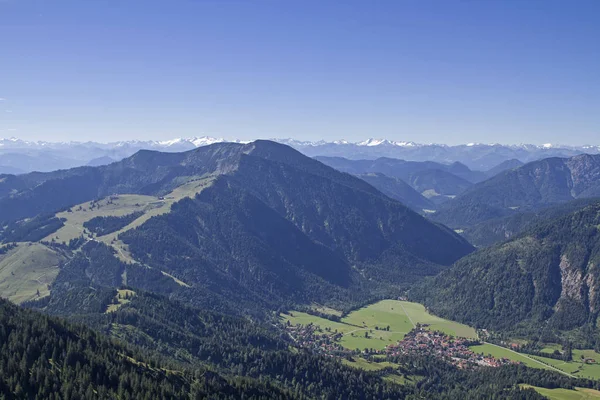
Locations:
(399, 190)
(503, 166)
(437, 182)
(532, 186)
(478, 157)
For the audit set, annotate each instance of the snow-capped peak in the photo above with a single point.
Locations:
(205, 141)
(405, 144)
(171, 142)
(371, 142)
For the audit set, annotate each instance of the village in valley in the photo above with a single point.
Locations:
(419, 341)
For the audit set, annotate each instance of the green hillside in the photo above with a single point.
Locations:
(28, 271)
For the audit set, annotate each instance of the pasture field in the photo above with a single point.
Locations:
(115, 206)
(566, 394)
(576, 367)
(374, 320)
(27, 269)
(120, 205)
(501, 352)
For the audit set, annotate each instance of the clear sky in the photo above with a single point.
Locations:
(510, 71)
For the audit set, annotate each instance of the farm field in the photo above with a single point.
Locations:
(400, 316)
(566, 394)
(27, 269)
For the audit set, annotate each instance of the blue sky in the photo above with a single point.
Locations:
(509, 71)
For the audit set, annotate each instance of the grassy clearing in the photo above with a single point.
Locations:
(550, 348)
(115, 206)
(122, 297)
(178, 281)
(361, 363)
(400, 316)
(566, 394)
(403, 380)
(27, 269)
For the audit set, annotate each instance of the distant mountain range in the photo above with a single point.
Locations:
(435, 181)
(20, 156)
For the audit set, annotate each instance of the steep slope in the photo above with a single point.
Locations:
(549, 273)
(530, 187)
(399, 190)
(252, 227)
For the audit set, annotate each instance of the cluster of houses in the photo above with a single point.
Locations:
(322, 341)
(455, 350)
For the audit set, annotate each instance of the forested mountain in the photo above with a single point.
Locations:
(399, 190)
(545, 278)
(45, 358)
(269, 227)
(433, 180)
(530, 187)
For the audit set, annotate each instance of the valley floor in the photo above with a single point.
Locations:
(378, 329)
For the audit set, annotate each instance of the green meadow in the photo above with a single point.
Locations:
(566, 394)
(576, 367)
